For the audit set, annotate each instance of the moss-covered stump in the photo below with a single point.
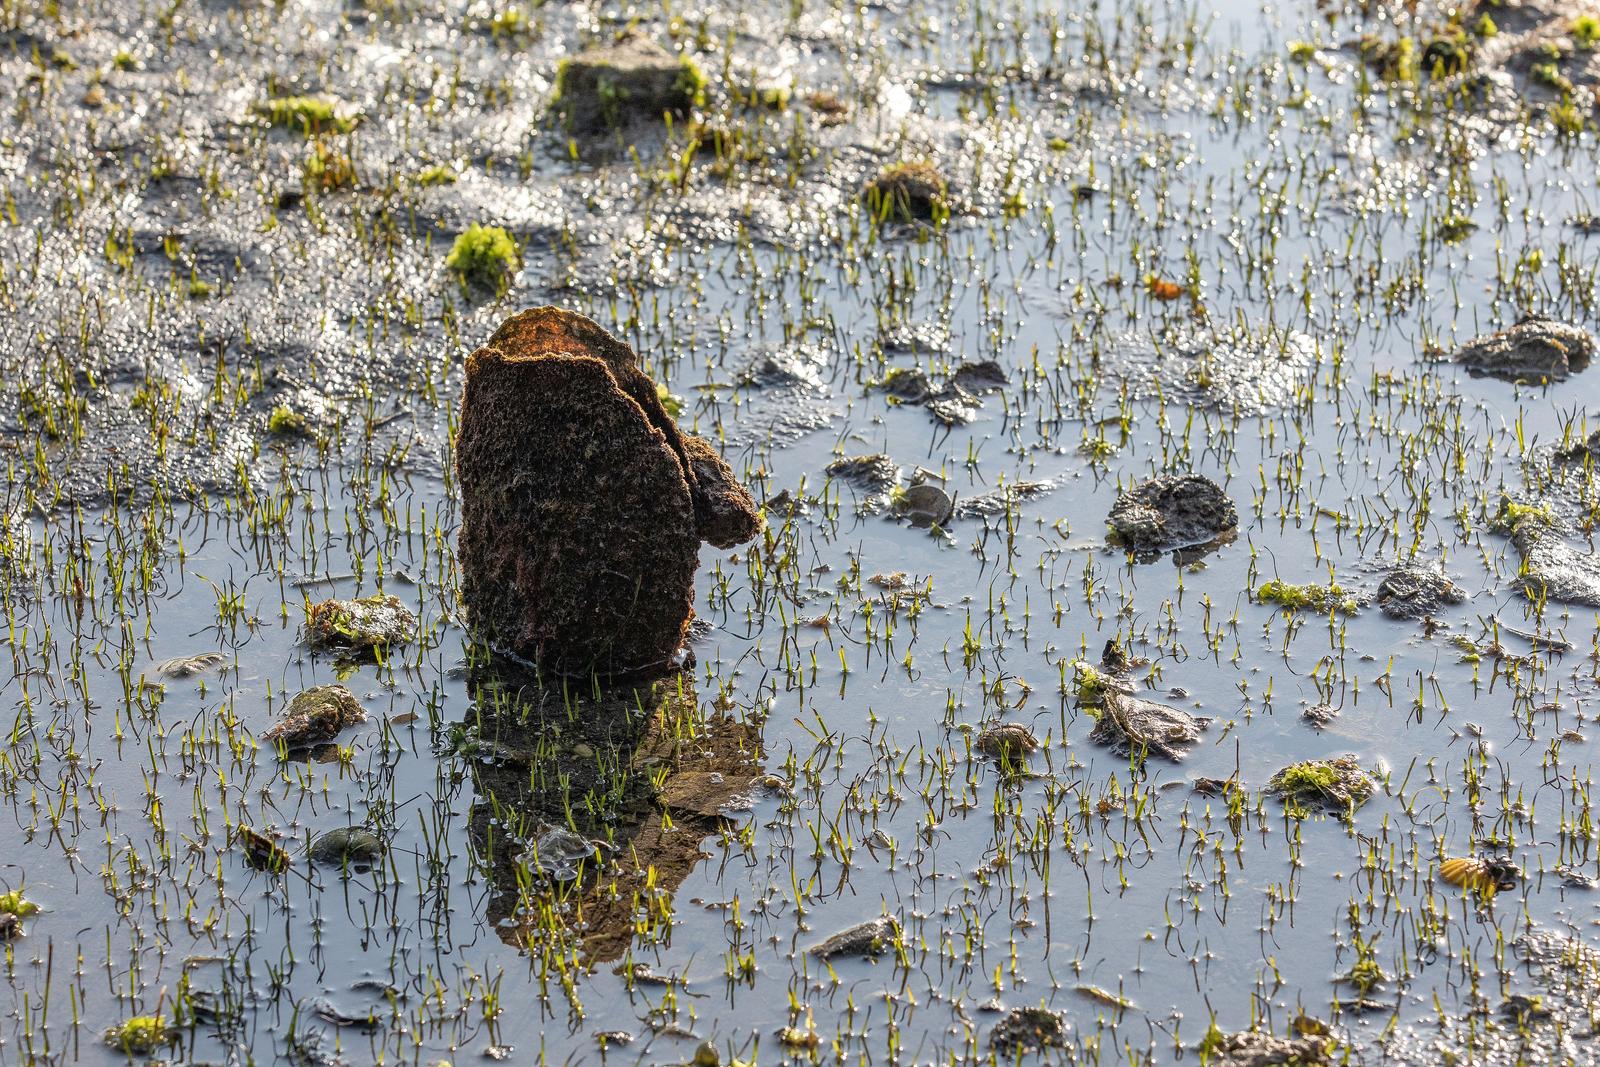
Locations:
(583, 507)
(631, 81)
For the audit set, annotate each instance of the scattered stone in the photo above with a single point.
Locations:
(315, 716)
(1029, 1030)
(1320, 716)
(1336, 784)
(909, 385)
(1413, 590)
(633, 80)
(864, 939)
(1172, 512)
(189, 666)
(583, 506)
(924, 505)
(1534, 350)
(908, 192)
(979, 377)
(559, 852)
(709, 794)
(1133, 724)
(373, 622)
(1008, 742)
(999, 501)
(351, 845)
(954, 406)
(876, 473)
(724, 514)
(1252, 1048)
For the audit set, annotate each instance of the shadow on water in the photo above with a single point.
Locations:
(592, 801)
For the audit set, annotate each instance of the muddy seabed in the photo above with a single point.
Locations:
(1239, 243)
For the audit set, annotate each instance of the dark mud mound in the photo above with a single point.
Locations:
(1534, 350)
(1415, 590)
(1172, 512)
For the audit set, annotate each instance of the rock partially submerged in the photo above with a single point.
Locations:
(352, 846)
(1552, 569)
(1029, 1030)
(363, 625)
(876, 473)
(1009, 742)
(1132, 724)
(924, 505)
(1336, 784)
(1534, 350)
(583, 506)
(633, 80)
(1172, 512)
(315, 716)
(864, 939)
(1415, 590)
(1253, 1048)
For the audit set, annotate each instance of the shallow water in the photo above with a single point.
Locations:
(1300, 223)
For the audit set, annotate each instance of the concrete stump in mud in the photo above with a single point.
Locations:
(583, 506)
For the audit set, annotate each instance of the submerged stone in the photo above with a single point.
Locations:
(315, 716)
(1413, 590)
(363, 625)
(1009, 742)
(350, 845)
(632, 80)
(583, 506)
(1172, 511)
(1029, 1030)
(1534, 350)
(1132, 724)
(864, 939)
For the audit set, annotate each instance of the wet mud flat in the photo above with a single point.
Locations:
(1174, 629)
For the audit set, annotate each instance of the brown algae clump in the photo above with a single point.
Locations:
(908, 192)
